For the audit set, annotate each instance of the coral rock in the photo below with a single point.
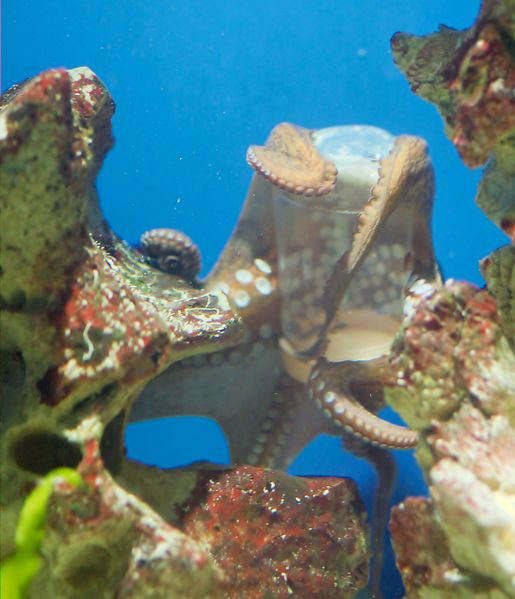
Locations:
(424, 559)
(498, 269)
(421, 549)
(473, 486)
(450, 349)
(101, 541)
(85, 321)
(456, 383)
(496, 195)
(81, 311)
(470, 75)
(279, 536)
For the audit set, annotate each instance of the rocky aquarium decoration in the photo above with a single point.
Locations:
(470, 76)
(283, 340)
(87, 322)
(453, 361)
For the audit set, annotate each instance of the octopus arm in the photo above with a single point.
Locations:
(406, 181)
(330, 386)
(290, 161)
(253, 237)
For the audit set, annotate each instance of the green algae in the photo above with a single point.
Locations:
(17, 570)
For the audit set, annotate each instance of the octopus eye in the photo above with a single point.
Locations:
(171, 264)
(171, 251)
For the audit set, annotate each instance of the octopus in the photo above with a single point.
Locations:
(334, 235)
(173, 252)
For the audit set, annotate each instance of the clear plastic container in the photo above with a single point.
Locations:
(314, 232)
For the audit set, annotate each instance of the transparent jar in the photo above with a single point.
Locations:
(314, 232)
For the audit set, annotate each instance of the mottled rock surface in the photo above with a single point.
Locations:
(470, 76)
(498, 269)
(102, 541)
(452, 350)
(85, 324)
(279, 536)
(456, 384)
(423, 557)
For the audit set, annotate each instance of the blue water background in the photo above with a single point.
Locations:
(196, 82)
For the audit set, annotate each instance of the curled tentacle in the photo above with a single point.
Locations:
(330, 387)
(172, 251)
(290, 161)
(405, 178)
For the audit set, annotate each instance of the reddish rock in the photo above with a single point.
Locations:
(469, 75)
(280, 536)
(498, 269)
(86, 323)
(421, 549)
(102, 541)
(98, 312)
(455, 382)
(450, 348)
